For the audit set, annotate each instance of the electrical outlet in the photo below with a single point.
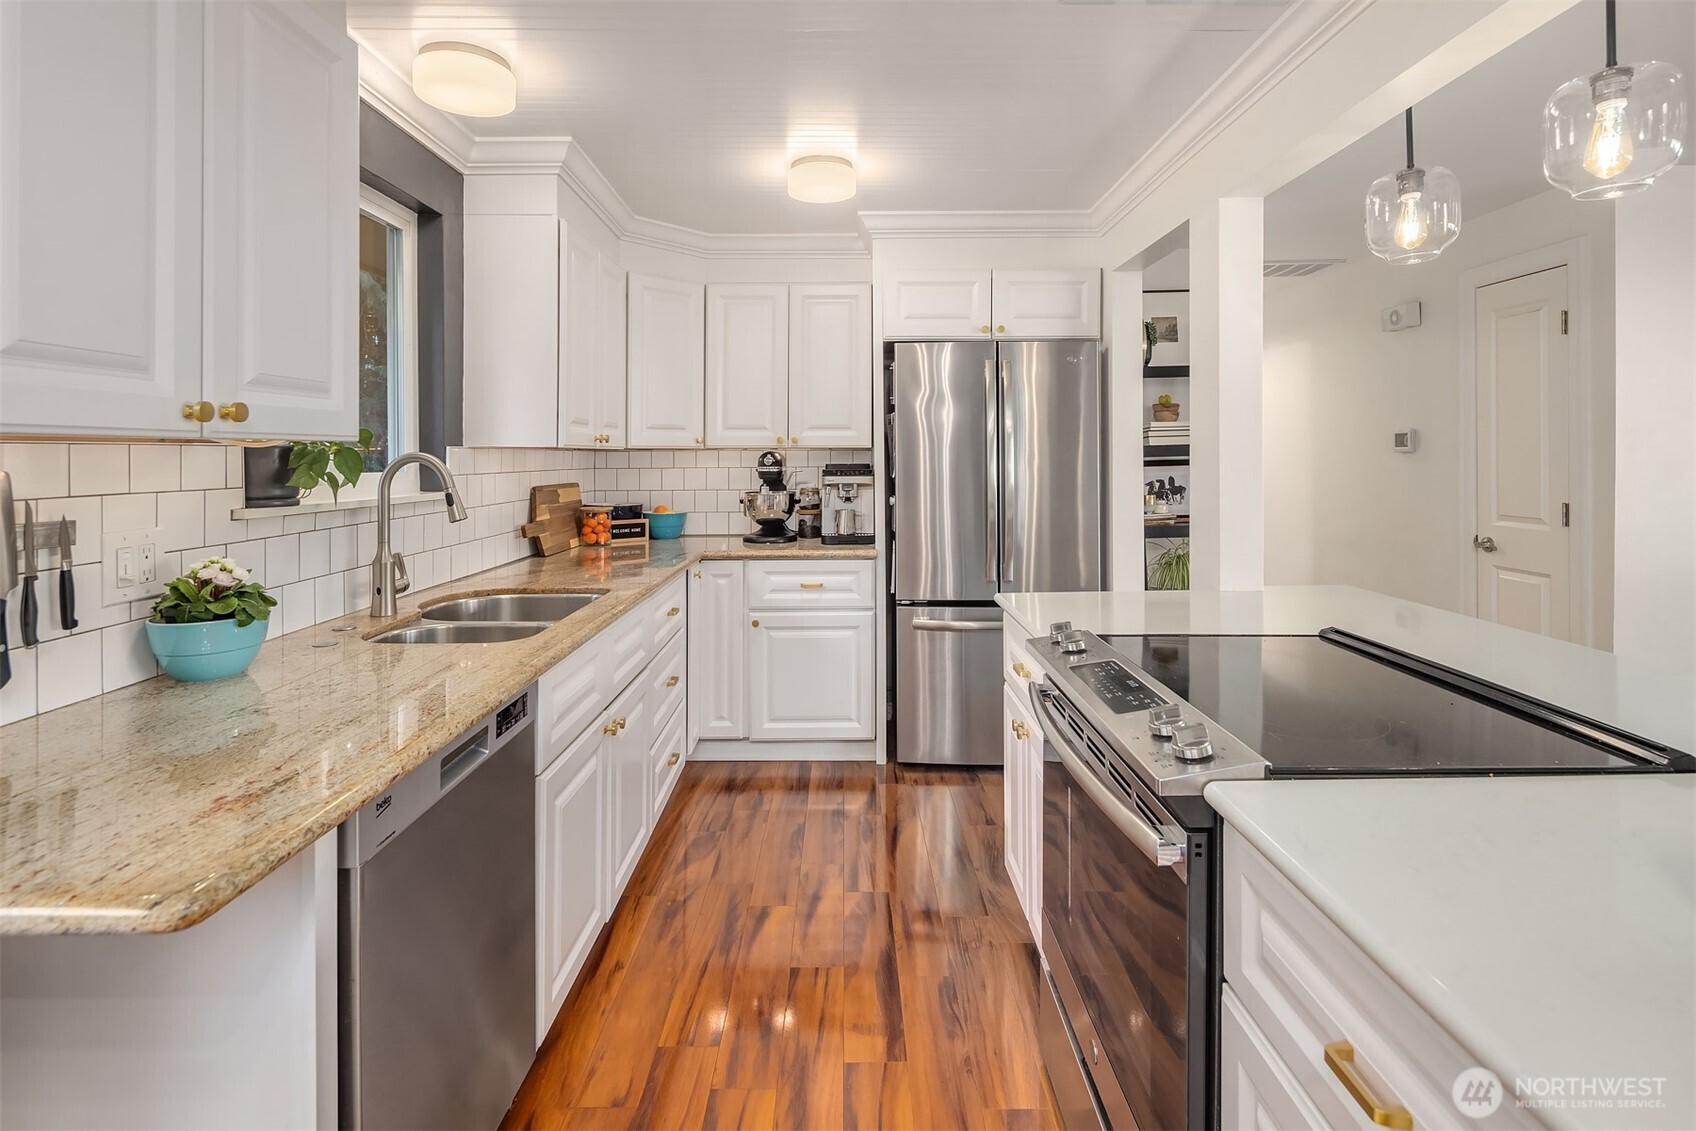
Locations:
(129, 568)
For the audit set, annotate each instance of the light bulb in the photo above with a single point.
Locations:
(1411, 228)
(1610, 149)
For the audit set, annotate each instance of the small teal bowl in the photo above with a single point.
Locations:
(667, 525)
(196, 653)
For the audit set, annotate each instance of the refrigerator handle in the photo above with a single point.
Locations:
(992, 474)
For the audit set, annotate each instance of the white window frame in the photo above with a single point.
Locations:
(379, 207)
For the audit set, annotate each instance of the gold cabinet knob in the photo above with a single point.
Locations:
(198, 410)
(1021, 671)
(1020, 730)
(698, 440)
(610, 728)
(780, 440)
(673, 611)
(674, 759)
(984, 329)
(697, 575)
(1001, 329)
(671, 681)
(794, 439)
(756, 624)
(622, 723)
(235, 411)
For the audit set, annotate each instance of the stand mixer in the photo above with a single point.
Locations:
(771, 504)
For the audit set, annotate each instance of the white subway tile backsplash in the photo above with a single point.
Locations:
(314, 553)
(129, 512)
(156, 467)
(329, 595)
(38, 470)
(299, 605)
(68, 669)
(232, 466)
(203, 467)
(99, 469)
(299, 523)
(182, 518)
(344, 548)
(220, 527)
(17, 698)
(282, 560)
(125, 657)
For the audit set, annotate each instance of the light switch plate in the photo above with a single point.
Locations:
(129, 567)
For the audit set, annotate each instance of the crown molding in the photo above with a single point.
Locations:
(966, 225)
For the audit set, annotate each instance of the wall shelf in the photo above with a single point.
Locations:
(1166, 455)
(1164, 372)
(1179, 529)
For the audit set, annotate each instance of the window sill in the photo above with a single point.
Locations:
(367, 503)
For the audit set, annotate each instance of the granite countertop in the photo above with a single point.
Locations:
(149, 808)
(1548, 924)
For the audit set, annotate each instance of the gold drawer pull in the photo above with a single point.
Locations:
(673, 611)
(812, 585)
(1339, 1058)
(610, 728)
(235, 411)
(1020, 670)
(674, 758)
(1020, 730)
(672, 682)
(756, 624)
(199, 410)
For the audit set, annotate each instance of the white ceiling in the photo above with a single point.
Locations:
(1486, 126)
(693, 109)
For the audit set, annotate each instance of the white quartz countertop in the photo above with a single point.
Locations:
(1645, 695)
(1549, 924)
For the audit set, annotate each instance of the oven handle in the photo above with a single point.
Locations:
(1164, 853)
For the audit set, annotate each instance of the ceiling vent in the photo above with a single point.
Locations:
(1297, 268)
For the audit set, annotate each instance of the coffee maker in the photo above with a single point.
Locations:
(770, 504)
(848, 499)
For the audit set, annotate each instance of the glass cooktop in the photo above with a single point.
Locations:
(1311, 707)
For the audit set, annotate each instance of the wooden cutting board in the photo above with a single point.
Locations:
(553, 517)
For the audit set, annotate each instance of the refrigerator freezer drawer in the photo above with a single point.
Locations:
(948, 693)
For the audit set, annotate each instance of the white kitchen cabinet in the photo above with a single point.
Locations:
(1047, 304)
(936, 305)
(810, 675)
(1255, 1088)
(628, 732)
(830, 365)
(747, 371)
(718, 650)
(667, 757)
(610, 374)
(1015, 775)
(579, 320)
(512, 279)
(571, 870)
(667, 329)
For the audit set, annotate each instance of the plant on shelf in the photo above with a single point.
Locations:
(1165, 408)
(210, 622)
(1150, 335)
(1171, 567)
(334, 463)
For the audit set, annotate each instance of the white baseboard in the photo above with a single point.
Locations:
(747, 750)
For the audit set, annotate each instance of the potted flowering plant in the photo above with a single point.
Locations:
(210, 622)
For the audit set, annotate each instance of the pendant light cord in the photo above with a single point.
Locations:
(1613, 35)
(1410, 132)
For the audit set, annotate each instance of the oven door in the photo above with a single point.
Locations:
(1119, 917)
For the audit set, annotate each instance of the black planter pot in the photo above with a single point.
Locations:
(265, 477)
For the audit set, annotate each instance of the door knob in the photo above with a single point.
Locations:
(1487, 544)
(234, 411)
(198, 410)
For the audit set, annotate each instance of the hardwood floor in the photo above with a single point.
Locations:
(807, 945)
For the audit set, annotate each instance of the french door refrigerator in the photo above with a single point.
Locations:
(994, 463)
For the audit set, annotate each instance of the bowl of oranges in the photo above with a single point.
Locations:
(663, 522)
(595, 528)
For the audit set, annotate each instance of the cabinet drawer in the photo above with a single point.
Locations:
(1255, 1088)
(664, 611)
(668, 677)
(1306, 985)
(811, 585)
(1018, 669)
(627, 646)
(570, 695)
(667, 758)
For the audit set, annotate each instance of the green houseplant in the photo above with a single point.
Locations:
(1171, 567)
(334, 463)
(210, 622)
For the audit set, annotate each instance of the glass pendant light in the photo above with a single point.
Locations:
(1614, 132)
(1411, 216)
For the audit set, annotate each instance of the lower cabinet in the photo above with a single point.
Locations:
(717, 650)
(626, 735)
(1022, 788)
(666, 757)
(810, 675)
(571, 866)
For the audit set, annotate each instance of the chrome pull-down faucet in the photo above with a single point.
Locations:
(388, 568)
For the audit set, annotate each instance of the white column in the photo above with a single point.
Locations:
(1227, 510)
(1125, 548)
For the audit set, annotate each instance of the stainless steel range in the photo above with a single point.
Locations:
(1135, 727)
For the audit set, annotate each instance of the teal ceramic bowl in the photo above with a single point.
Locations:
(195, 653)
(667, 525)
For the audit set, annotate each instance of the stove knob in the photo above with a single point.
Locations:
(1162, 721)
(1059, 629)
(1191, 744)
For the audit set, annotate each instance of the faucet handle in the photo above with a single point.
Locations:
(402, 581)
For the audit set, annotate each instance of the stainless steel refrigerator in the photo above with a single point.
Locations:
(995, 480)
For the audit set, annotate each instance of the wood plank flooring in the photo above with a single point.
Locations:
(807, 945)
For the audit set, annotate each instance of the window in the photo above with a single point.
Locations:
(388, 336)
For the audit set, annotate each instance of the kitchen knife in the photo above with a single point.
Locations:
(27, 611)
(67, 585)
(8, 569)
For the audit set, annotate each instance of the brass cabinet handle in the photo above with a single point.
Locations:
(610, 728)
(756, 624)
(698, 439)
(622, 723)
(794, 439)
(812, 585)
(780, 440)
(673, 611)
(198, 410)
(672, 682)
(984, 329)
(697, 575)
(1001, 329)
(1339, 1058)
(674, 759)
(1021, 671)
(234, 411)
(1020, 730)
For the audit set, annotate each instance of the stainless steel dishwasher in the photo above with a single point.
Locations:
(438, 936)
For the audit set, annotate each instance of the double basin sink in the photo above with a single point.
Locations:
(488, 619)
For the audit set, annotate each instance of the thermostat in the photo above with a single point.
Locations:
(1403, 317)
(1405, 441)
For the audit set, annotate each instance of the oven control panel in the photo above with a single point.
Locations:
(1119, 690)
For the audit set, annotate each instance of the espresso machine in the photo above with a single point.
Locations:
(847, 502)
(770, 504)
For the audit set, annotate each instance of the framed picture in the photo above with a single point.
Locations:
(1169, 311)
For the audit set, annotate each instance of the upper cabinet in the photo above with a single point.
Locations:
(610, 373)
(747, 365)
(667, 328)
(960, 305)
(217, 145)
(512, 273)
(830, 365)
(579, 320)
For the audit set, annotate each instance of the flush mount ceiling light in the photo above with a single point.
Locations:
(465, 79)
(821, 179)
(1411, 216)
(1613, 132)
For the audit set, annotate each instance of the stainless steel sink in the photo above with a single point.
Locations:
(511, 607)
(492, 633)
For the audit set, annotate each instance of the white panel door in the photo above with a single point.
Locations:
(667, 335)
(1016, 778)
(936, 305)
(579, 341)
(830, 365)
(1047, 304)
(512, 371)
(810, 675)
(718, 631)
(1524, 367)
(282, 216)
(747, 365)
(1256, 1088)
(610, 385)
(100, 109)
(571, 871)
(629, 785)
